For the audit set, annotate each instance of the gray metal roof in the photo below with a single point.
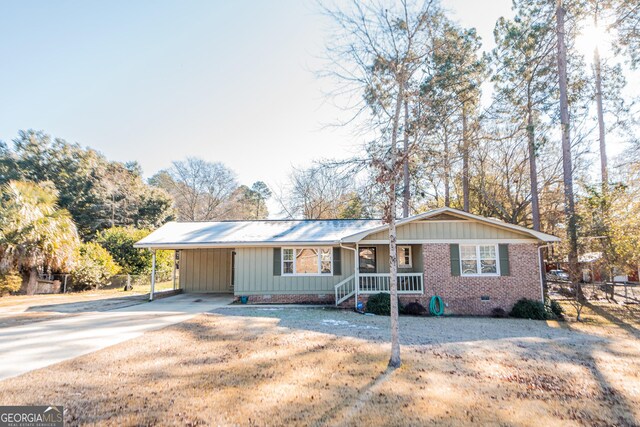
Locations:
(177, 235)
(246, 233)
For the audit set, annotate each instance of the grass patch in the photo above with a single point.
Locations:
(18, 310)
(14, 300)
(276, 367)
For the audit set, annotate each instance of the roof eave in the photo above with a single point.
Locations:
(205, 245)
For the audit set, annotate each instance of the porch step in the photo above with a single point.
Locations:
(345, 290)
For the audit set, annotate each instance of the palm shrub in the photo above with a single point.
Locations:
(34, 232)
(94, 267)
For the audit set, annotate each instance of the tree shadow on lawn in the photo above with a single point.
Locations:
(239, 367)
(458, 338)
(102, 304)
(413, 330)
(630, 328)
(44, 312)
(228, 378)
(164, 301)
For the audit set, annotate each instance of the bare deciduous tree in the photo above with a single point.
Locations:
(378, 52)
(322, 192)
(199, 188)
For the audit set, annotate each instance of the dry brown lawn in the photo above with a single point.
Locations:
(22, 309)
(247, 366)
(11, 302)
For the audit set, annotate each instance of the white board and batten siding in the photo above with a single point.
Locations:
(254, 275)
(206, 270)
(447, 231)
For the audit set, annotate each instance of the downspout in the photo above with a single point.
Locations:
(355, 271)
(541, 270)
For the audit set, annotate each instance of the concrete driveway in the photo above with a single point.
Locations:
(36, 345)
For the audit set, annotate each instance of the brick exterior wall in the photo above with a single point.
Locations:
(462, 295)
(291, 299)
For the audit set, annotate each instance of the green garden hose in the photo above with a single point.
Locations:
(436, 302)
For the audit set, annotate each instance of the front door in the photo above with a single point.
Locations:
(367, 260)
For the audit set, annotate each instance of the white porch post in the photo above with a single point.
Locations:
(153, 274)
(175, 259)
(356, 273)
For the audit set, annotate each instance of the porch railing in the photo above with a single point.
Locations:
(373, 283)
(345, 289)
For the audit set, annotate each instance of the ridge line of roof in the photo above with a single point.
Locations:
(278, 220)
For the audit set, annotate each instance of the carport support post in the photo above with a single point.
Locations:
(175, 260)
(153, 274)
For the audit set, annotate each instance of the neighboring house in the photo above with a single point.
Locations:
(474, 263)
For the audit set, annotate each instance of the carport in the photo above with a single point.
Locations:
(202, 270)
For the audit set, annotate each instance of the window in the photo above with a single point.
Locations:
(488, 260)
(367, 260)
(311, 261)
(468, 260)
(478, 260)
(404, 257)
(287, 261)
(325, 261)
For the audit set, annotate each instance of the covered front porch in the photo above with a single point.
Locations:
(372, 276)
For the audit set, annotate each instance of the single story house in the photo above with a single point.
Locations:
(474, 263)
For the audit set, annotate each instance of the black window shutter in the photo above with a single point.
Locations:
(277, 265)
(454, 250)
(337, 262)
(503, 250)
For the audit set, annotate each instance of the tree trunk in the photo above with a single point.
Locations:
(533, 169)
(465, 160)
(569, 204)
(406, 191)
(603, 148)
(32, 283)
(447, 171)
(394, 361)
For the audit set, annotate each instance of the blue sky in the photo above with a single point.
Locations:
(156, 81)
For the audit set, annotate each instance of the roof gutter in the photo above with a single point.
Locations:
(178, 246)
